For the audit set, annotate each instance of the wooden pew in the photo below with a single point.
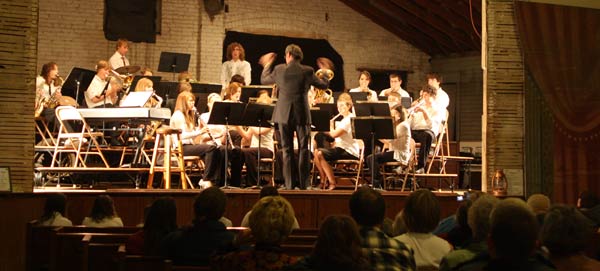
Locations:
(141, 263)
(100, 250)
(39, 243)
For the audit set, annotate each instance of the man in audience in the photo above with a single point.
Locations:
(588, 205)
(478, 218)
(195, 244)
(367, 208)
(566, 234)
(539, 204)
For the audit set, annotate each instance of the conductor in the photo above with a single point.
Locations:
(292, 112)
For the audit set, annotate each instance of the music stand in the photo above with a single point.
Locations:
(173, 62)
(205, 88)
(226, 113)
(77, 79)
(373, 128)
(319, 119)
(359, 96)
(330, 108)
(258, 115)
(381, 109)
(155, 81)
(252, 92)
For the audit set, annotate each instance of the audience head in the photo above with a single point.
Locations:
(236, 78)
(367, 207)
(338, 244)
(268, 190)
(478, 216)
(421, 211)
(513, 230)
(103, 207)
(162, 215)
(271, 220)
(144, 84)
(565, 231)
(294, 51)
(233, 92)
(54, 203)
(235, 51)
(184, 87)
(210, 204)
(539, 203)
(587, 200)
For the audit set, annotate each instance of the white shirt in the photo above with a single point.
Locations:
(114, 221)
(373, 97)
(418, 121)
(442, 100)
(231, 68)
(116, 61)
(95, 89)
(401, 144)
(266, 140)
(56, 220)
(346, 141)
(188, 133)
(43, 88)
(429, 249)
(402, 92)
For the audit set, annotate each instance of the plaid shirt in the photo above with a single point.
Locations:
(386, 253)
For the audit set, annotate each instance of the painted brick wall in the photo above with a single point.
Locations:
(70, 33)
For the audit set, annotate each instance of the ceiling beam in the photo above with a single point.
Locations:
(458, 22)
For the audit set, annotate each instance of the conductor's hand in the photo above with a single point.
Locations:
(267, 59)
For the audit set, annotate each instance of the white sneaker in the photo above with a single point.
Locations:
(399, 170)
(420, 171)
(204, 184)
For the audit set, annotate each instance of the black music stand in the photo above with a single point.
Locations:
(319, 119)
(330, 108)
(205, 88)
(381, 109)
(226, 113)
(359, 96)
(173, 62)
(373, 128)
(258, 115)
(77, 79)
(249, 92)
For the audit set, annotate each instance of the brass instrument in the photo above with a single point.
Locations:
(52, 102)
(151, 129)
(324, 95)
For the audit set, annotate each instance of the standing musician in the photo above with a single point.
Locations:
(47, 92)
(395, 86)
(292, 112)
(194, 139)
(235, 64)
(249, 155)
(345, 145)
(399, 147)
(118, 59)
(425, 124)
(364, 79)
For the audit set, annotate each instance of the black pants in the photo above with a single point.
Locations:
(375, 160)
(211, 156)
(295, 172)
(425, 137)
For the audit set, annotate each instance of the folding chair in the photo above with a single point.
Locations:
(441, 147)
(75, 141)
(409, 169)
(358, 163)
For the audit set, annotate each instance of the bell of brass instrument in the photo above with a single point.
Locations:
(324, 95)
(58, 81)
(127, 81)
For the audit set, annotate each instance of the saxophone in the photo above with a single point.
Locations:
(42, 102)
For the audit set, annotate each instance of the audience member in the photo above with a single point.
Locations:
(54, 211)
(264, 192)
(367, 207)
(460, 235)
(270, 224)
(103, 214)
(194, 245)
(566, 233)
(160, 221)
(399, 226)
(479, 222)
(421, 215)
(539, 204)
(337, 248)
(589, 206)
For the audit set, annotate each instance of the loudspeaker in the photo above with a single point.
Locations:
(213, 7)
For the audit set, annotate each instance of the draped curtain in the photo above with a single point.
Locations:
(561, 49)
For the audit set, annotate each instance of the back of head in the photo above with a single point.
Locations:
(271, 220)
(478, 216)
(367, 207)
(421, 211)
(338, 244)
(184, 87)
(268, 191)
(513, 230)
(236, 78)
(103, 208)
(539, 203)
(209, 204)
(162, 215)
(565, 231)
(295, 51)
(587, 200)
(54, 203)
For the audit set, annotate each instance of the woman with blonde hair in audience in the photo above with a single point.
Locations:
(271, 223)
(421, 215)
(54, 211)
(103, 214)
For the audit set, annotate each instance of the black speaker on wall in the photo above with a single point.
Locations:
(213, 7)
(134, 20)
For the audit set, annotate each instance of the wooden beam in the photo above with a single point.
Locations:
(461, 10)
(422, 42)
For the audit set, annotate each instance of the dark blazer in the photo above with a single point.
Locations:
(294, 81)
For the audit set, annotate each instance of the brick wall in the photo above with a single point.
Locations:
(70, 33)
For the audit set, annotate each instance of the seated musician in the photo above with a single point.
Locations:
(345, 145)
(399, 148)
(233, 92)
(47, 92)
(364, 79)
(394, 99)
(195, 139)
(425, 124)
(145, 84)
(102, 93)
(249, 155)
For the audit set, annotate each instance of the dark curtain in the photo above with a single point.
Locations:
(130, 19)
(257, 45)
(561, 49)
